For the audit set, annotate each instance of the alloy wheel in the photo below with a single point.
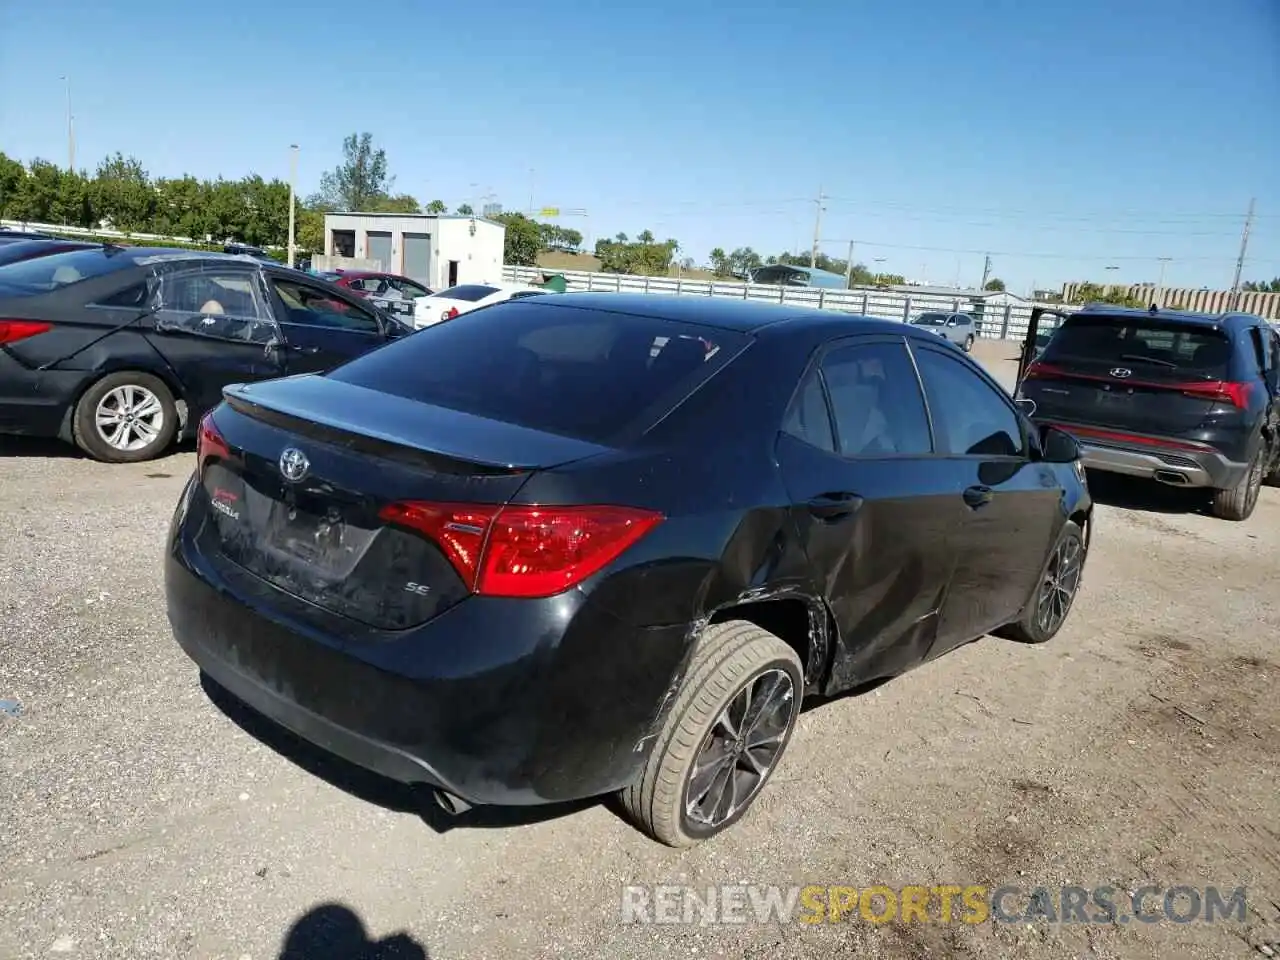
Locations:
(1061, 580)
(740, 750)
(129, 417)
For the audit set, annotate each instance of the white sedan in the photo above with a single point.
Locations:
(447, 304)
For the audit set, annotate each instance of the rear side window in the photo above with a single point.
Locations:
(1149, 344)
(588, 374)
(876, 399)
(469, 292)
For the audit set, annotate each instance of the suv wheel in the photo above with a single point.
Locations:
(723, 737)
(1059, 583)
(1237, 503)
(125, 418)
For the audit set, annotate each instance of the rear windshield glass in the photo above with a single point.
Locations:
(587, 374)
(931, 320)
(470, 292)
(59, 270)
(1151, 345)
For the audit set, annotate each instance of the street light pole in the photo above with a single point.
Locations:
(1163, 262)
(293, 180)
(71, 136)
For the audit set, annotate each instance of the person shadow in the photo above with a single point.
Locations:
(333, 931)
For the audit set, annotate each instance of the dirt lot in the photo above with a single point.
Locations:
(140, 820)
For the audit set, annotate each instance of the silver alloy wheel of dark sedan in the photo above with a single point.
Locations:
(740, 749)
(1061, 580)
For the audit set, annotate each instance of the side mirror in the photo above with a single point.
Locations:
(1058, 446)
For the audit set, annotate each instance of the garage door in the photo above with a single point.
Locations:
(417, 257)
(379, 248)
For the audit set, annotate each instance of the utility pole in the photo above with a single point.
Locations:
(1244, 247)
(71, 134)
(531, 173)
(986, 272)
(293, 180)
(817, 231)
(848, 270)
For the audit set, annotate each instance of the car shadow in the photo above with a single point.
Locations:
(46, 448)
(333, 931)
(374, 788)
(1133, 493)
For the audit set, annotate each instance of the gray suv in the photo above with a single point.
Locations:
(960, 328)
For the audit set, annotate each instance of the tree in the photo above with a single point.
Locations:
(465, 210)
(742, 261)
(123, 194)
(400, 203)
(1256, 286)
(1097, 293)
(361, 180)
(436, 207)
(523, 239)
(720, 265)
(995, 284)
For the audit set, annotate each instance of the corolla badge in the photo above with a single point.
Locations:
(293, 464)
(1121, 373)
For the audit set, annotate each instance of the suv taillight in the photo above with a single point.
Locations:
(11, 331)
(1222, 391)
(1042, 371)
(524, 551)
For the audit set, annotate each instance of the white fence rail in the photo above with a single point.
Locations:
(995, 321)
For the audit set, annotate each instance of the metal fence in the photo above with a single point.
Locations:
(1006, 321)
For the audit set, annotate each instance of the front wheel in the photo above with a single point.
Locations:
(126, 417)
(1059, 583)
(1238, 502)
(730, 723)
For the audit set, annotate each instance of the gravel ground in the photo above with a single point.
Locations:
(140, 820)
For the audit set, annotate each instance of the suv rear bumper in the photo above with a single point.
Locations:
(1171, 462)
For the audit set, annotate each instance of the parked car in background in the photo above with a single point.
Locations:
(246, 250)
(584, 543)
(29, 249)
(1185, 399)
(392, 292)
(960, 328)
(447, 304)
(120, 350)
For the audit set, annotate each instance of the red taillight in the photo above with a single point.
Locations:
(11, 331)
(449, 314)
(1042, 371)
(209, 442)
(1224, 391)
(525, 551)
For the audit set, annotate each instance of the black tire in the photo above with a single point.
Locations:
(968, 344)
(1272, 476)
(1238, 502)
(1031, 627)
(92, 439)
(730, 657)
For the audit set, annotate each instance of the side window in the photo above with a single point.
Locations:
(1275, 349)
(312, 307)
(1260, 348)
(971, 417)
(876, 399)
(808, 419)
(224, 304)
(134, 296)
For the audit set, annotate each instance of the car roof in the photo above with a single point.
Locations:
(743, 316)
(1178, 316)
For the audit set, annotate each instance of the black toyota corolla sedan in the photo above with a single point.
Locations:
(567, 546)
(120, 350)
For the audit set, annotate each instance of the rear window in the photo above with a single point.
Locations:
(588, 374)
(469, 292)
(931, 320)
(42, 274)
(1149, 344)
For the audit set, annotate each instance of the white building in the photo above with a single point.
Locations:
(437, 250)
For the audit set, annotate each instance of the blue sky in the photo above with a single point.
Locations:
(1064, 137)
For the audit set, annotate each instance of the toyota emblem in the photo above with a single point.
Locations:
(294, 464)
(1120, 373)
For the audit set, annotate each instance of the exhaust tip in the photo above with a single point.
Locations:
(1171, 477)
(450, 804)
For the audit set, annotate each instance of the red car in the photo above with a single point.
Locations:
(384, 286)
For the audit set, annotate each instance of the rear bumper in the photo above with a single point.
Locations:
(1184, 468)
(488, 701)
(36, 403)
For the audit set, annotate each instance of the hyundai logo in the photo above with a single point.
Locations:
(1120, 373)
(294, 464)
